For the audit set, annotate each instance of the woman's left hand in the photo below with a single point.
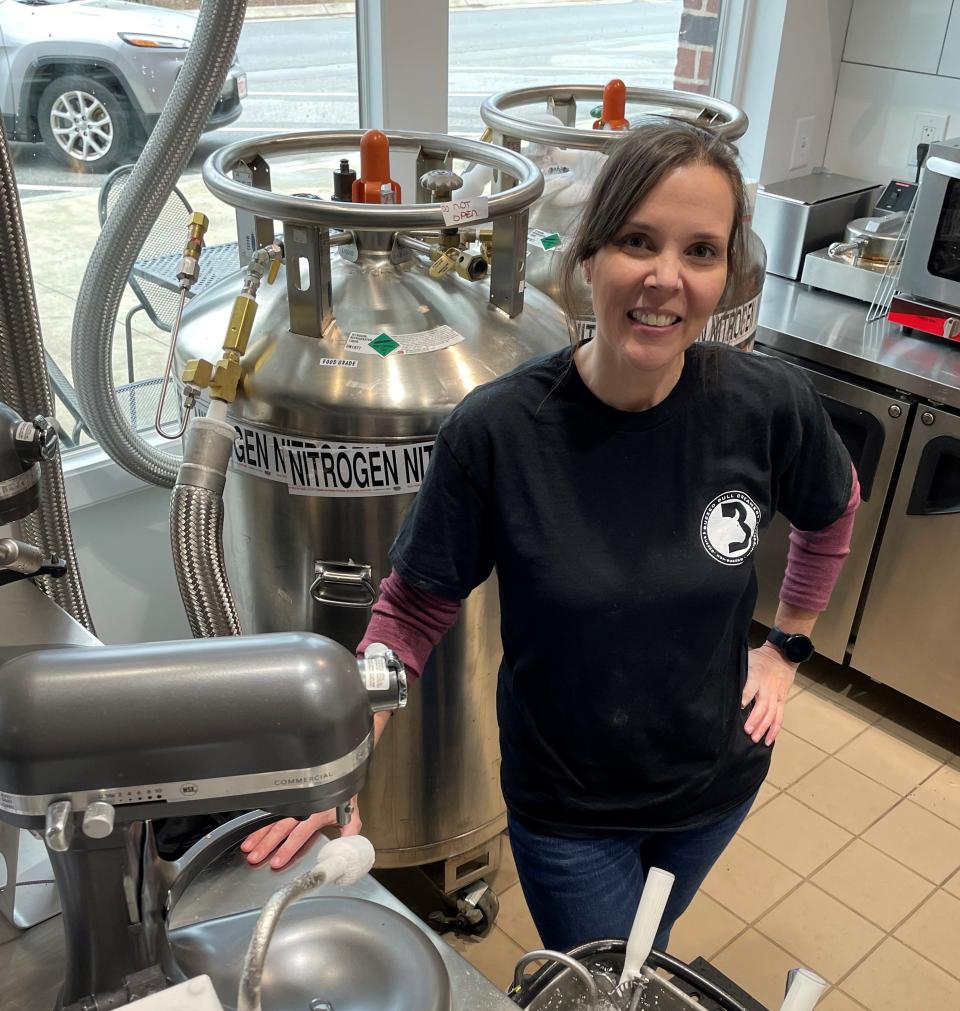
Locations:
(769, 677)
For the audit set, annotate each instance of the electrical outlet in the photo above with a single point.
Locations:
(802, 142)
(928, 127)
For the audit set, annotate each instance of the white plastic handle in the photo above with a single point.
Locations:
(805, 990)
(653, 901)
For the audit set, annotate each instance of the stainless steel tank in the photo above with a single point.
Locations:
(335, 423)
(570, 158)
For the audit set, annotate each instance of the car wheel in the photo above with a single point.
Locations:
(84, 125)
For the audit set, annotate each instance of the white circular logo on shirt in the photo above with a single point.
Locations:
(729, 527)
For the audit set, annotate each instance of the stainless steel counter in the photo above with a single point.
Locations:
(829, 329)
(30, 963)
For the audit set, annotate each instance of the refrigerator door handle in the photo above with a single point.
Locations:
(936, 484)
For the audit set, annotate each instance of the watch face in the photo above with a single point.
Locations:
(798, 648)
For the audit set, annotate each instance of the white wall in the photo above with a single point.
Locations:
(789, 64)
(901, 59)
(806, 81)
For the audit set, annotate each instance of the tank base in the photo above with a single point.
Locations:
(453, 849)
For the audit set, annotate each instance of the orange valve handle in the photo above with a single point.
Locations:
(374, 169)
(613, 115)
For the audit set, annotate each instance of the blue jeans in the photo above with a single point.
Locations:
(580, 890)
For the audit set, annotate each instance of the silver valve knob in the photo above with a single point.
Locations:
(441, 183)
(58, 832)
(98, 820)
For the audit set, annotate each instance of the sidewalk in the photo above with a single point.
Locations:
(259, 10)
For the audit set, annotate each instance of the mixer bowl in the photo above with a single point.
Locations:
(352, 953)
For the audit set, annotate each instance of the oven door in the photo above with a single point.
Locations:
(931, 262)
(907, 637)
(871, 425)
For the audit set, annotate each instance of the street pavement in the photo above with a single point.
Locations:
(302, 74)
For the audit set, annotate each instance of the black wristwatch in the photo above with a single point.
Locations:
(795, 647)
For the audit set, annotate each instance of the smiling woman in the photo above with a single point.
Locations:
(661, 242)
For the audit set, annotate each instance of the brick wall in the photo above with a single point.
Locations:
(699, 27)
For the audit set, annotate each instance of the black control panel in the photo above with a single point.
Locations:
(898, 196)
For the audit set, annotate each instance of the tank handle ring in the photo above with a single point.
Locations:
(494, 112)
(218, 167)
(342, 574)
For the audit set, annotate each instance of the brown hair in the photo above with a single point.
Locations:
(637, 162)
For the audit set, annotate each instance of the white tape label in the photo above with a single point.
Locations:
(462, 212)
(586, 329)
(419, 343)
(736, 326)
(330, 469)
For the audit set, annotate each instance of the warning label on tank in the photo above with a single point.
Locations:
(332, 469)
(386, 345)
(538, 239)
(736, 326)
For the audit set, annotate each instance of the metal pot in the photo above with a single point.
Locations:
(870, 241)
(559, 985)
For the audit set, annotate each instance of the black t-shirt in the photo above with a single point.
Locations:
(622, 543)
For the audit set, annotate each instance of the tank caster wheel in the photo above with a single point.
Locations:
(477, 907)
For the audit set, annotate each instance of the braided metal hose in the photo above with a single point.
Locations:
(196, 530)
(170, 146)
(24, 387)
(196, 534)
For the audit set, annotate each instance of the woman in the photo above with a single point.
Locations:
(619, 488)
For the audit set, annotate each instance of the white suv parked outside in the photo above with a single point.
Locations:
(89, 78)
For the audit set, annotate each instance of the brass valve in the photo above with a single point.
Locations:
(223, 379)
(470, 266)
(190, 264)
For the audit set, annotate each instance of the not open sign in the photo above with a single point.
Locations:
(462, 212)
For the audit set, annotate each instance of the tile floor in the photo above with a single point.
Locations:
(849, 862)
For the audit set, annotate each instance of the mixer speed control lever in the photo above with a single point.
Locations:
(58, 832)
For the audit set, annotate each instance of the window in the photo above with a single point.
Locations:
(647, 43)
(80, 92)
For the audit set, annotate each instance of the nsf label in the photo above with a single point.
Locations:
(330, 469)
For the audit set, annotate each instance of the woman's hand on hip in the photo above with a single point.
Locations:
(287, 837)
(769, 677)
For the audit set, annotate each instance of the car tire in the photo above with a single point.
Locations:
(84, 125)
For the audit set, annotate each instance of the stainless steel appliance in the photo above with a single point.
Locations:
(871, 245)
(902, 633)
(357, 355)
(871, 423)
(931, 262)
(906, 635)
(796, 216)
(96, 739)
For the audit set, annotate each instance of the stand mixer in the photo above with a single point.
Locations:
(97, 740)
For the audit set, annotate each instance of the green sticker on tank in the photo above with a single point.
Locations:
(383, 344)
(550, 241)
